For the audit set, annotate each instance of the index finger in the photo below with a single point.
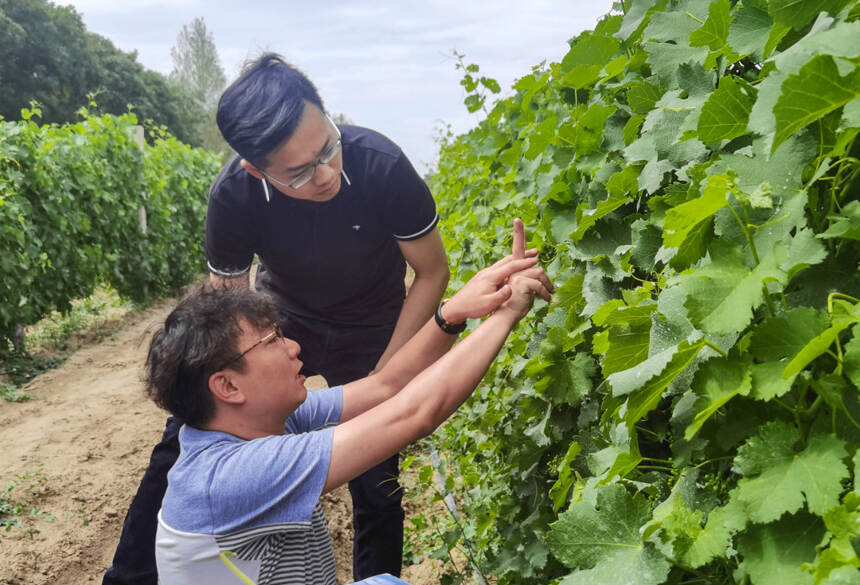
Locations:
(499, 272)
(519, 246)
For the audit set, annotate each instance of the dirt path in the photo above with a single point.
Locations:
(78, 450)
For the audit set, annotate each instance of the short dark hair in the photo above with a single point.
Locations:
(198, 337)
(261, 109)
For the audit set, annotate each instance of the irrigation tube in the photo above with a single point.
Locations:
(448, 498)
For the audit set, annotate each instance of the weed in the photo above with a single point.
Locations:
(83, 514)
(10, 393)
(19, 498)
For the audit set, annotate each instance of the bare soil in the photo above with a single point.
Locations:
(76, 453)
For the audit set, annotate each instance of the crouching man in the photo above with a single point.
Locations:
(258, 450)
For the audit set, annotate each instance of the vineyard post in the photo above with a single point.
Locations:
(141, 211)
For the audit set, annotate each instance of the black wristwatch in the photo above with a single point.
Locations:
(452, 328)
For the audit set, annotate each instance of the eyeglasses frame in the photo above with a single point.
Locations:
(276, 332)
(297, 183)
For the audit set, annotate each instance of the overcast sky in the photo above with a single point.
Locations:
(385, 64)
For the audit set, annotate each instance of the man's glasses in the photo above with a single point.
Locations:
(307, 174)
(276, 334)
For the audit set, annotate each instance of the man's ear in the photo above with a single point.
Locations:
(224, 390)
(251, 169)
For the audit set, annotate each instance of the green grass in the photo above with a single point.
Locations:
(19, 499)
(50, 341)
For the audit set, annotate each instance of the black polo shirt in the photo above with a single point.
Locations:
(337, 261)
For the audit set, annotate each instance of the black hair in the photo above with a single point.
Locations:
(261, 109)
(198, 337)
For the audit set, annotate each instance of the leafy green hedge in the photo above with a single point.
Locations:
(686, 410)
(70, 201)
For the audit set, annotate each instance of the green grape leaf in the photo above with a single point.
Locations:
(604, 540)
(586, 59)
(588, 217)
(666, 58)
(568, 382)
(798, 13)
(799, 104)
(750, 30)
(782, 172)
(817, 346)
(804, 251)
(646, 399)
(721, 296)
(641, 96)
(784, 336)
(559, 490)
(715, 30)
(491, 84)
(687, 218)
(673, 26)
(716, 537)
(631, 129)
(569, 295)
(716, 382)
(537, 431)
(848, 575)
(850, 115)
(777, 478)
(616, 460)
(851, 361)
(726, 113)
(562, 226)
(773, 554)
(626, 381)
(541, 136)
(584, 129)
(628, 334)
(845, 224)
(677, 521)
(767, 381)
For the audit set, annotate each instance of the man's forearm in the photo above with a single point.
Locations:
(418, 307)
(423, 404)
(453, 377)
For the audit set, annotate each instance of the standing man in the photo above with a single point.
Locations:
(334, 214)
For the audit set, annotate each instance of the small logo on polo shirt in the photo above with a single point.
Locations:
(356, 227)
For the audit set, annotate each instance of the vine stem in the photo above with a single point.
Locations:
(765, 293)
(715, 348)
(712, 460)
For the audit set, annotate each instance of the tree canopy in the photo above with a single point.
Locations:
(48, 56)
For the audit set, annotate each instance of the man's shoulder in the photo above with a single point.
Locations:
(233, 181)
(369, 142)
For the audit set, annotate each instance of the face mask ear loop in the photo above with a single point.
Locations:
(266, 189)
(345, 178)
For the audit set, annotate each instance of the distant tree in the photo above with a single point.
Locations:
(42, 57)
(197, 70)
(47, 56)
(339, 118)
(196, 63)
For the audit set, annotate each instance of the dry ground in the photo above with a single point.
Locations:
(77, 452)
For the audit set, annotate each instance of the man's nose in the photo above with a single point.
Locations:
(324, 173)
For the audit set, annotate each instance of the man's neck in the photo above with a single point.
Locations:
(244, 427)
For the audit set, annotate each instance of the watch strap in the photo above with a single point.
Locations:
(451, 328)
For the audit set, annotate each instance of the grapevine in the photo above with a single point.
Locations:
(686, 409)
